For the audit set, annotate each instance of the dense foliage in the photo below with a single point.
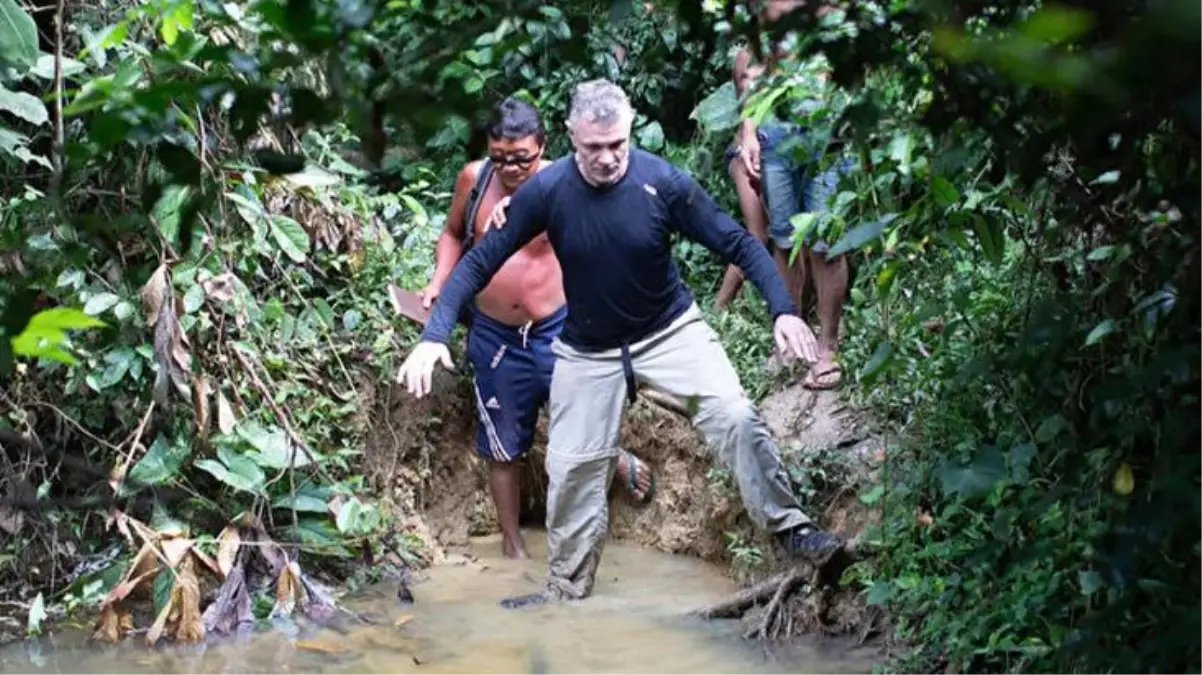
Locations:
(217, 195)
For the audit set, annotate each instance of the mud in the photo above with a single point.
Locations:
(420, 454)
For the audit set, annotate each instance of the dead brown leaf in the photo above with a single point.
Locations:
(288, 590)
(11, 520)
(402, 620)
(200, 404)
(175, 549)
(227, 549)
(189, 626)
(219, 288)
(112, 625)
(225, 414)
(320, 646)
(155, 292)
(207, 561)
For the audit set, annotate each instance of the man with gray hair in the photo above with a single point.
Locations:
(610, 212)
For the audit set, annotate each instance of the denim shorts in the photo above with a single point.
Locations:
(790, 183)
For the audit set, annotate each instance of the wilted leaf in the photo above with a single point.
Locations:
(112, 624)
(200, 404)
(225, 414)
(37, 614)
(176, 549)
(189, 626)
(287, 590)
(155, 292)
(227, 549)
(220, 288)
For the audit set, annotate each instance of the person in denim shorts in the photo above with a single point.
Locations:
(797, 176)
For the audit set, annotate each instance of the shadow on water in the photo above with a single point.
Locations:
(633, 623)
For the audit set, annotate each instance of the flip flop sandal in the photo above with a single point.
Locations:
(812, 383)
(632, 485)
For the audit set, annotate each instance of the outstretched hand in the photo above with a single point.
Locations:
(794, 336)
(417, 372)
(497, 217)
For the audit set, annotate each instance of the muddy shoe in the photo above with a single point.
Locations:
(811, 543)
(529, 600)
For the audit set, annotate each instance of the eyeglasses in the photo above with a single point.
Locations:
(522, 163)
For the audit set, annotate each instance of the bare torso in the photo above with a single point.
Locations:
(529, 286)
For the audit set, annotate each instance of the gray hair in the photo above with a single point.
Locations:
(599, 102)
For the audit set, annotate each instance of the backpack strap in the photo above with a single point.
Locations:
(473, 203)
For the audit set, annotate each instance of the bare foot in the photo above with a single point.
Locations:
(514, 547)
(643, 478)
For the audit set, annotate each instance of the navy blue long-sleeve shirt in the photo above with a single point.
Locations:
(614, 244)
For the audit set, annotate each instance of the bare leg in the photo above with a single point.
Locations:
(757, 224)
(732, 283)
(830, 285)
(505, 483)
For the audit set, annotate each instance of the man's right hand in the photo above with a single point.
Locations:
(750, 154)
(417, 371)
(429, 294)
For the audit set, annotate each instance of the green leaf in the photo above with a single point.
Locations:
(167, 210)
(44, 68)
(1057, 24)
(1101, 253)
(100, 303)
(1049, 428)
(45, 333)
(37, 614)
(309, 498)
(651, 136)
(1100, 331)
(348, 515)
(946, 194)
(18, 37)
(319, 536)
(860, 235)
(160, 464)
(291, 237)
(194, 297)
(989, 233)
(276, 452)
(976, 477)
(235, 471)
(879, 593)
(718, 112)
(1089, 581)
(881, 357)
(70, 278)
(1107, 178)
(874, 495)
(25, 106)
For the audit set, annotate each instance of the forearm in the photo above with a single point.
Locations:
(447, 254)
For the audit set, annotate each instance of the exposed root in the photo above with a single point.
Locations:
(770, 624)
(737, 605)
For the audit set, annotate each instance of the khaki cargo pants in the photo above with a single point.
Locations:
(588, 393)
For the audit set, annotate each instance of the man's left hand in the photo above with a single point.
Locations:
(794, 336)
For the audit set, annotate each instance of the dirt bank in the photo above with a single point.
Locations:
(419, 453)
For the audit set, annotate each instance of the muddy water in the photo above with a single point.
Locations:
(633, 623)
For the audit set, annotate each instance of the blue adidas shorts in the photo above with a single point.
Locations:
(512, 368)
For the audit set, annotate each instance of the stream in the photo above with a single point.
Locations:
(633, 623)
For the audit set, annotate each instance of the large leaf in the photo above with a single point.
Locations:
(100, 303)
(245, 477)
(45, 334)
(719, 111)
(973, 478)
(25, 106)
(18, 37)
(291, 237)
(44, 68)
(860, 235)
(161, 462)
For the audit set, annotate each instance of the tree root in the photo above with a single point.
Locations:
(776, 622)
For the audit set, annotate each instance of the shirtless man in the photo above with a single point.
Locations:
(514, 319)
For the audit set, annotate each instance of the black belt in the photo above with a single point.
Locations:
(628, 371)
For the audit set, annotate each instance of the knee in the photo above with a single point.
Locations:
(726, 415)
